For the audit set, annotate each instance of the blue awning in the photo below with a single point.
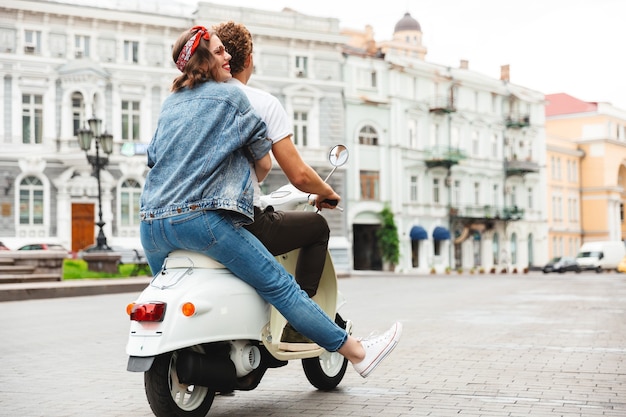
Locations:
(441, 233)
(418, 233)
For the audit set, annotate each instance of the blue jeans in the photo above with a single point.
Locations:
(220, 235)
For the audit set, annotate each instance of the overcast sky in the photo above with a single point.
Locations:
(552, 46)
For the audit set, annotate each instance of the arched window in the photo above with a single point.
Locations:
(129, 197)
(368, 136)
(496, 248)
(514, 248)
(31, 201)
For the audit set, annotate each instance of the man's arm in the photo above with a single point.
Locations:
(299, 173)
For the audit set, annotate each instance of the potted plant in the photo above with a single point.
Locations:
(388, 240)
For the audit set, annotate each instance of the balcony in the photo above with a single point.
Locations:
(485, 214)
(442, 105)
(443, 156)
(519, 167)
(512, 213)
(517, 121)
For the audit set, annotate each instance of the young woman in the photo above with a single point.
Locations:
(199, 193)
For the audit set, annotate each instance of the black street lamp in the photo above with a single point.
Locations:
(105, 140)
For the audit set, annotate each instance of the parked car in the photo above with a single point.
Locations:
(561, 264)
(621, 267)
(43, 246)
(3, 246)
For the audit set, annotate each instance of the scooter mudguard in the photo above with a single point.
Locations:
(226, 308)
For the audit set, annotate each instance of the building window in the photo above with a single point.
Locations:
(31, 201)
(369, 185)
(412, 134)
(131, 52)
(302, 64)
(514, 196)
(78, 112)
(494, 146)
(413, 188)
(368, 136)
(456, 192)
(81, 46)
(455, 138)
(496, 248)
(130, 120)
(514, 248)
(475, 143)
(300, 128)
(530, 198)
(496, 195)
(32, 118)
(32, 41)
(129, 197)
(477, 194)
(436, 190)
(434, 134)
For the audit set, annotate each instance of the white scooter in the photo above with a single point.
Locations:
(198, 330)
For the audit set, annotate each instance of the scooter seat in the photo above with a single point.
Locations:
(187, 258)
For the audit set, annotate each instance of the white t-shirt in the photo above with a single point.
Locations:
(273, 114)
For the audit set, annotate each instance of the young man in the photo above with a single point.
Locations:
(280, 231)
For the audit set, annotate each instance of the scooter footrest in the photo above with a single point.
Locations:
(297, 347)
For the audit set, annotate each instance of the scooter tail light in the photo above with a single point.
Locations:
(154, 311)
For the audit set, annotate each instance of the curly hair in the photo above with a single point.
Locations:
(192, 73)
(238, 42)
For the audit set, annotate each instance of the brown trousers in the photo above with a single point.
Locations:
(282, 232)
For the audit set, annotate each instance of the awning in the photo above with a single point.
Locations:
(441, 233)
(418, 233)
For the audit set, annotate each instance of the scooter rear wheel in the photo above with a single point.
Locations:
(326, 371)
(168, 397)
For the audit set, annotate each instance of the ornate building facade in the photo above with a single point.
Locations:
(457, 156)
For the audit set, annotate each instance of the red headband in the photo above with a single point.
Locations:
(190, 46)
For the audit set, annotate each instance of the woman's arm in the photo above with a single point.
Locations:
(262, 167)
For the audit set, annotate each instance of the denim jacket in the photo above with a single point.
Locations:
(200, 153)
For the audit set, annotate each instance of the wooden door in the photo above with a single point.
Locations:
(83, 225)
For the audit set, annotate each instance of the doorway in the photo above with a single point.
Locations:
(367, 254)
(83, 225)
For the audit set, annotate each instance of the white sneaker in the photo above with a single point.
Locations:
(377, 348)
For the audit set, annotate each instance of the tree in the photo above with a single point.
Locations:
(388, 238)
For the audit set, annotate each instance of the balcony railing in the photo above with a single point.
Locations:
(517, 121)
(520, 167)
(486, 213)
(443, 156)
(512, 213)
(442, 105)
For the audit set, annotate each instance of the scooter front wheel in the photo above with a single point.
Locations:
(170, 398)
(326, 371)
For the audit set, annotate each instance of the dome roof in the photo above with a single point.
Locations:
(407, 23)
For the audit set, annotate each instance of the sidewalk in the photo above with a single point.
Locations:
(82, 287)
